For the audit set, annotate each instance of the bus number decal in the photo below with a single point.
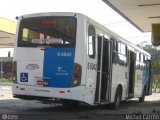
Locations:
(63, 54)
(92, 66)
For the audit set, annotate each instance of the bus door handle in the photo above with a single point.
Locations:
(106, 75)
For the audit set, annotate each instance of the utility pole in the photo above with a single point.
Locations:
(1, 69)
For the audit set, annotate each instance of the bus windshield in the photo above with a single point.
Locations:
(47, 31)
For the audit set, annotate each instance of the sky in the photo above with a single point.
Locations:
(96, 9)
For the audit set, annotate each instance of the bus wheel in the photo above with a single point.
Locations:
(70, 103)
(141, 99)
(117, 99)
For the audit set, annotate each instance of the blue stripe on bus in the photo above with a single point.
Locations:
(58, 66)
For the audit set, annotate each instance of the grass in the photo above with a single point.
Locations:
(156, 85)
(6, 80)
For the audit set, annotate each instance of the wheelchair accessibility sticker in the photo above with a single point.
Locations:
(23, 77)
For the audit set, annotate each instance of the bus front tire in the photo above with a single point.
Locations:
(117, 99)
(141, 99)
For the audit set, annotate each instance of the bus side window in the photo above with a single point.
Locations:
(122, 59)
(115, 53)
(137, 60)
(146, 65)
(142, 64)
(91, 42)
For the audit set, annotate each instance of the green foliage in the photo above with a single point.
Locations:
(6, 80)
(157, 64)
(156, 85)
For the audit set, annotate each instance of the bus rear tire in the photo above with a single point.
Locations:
(117, 99)
(141, 99)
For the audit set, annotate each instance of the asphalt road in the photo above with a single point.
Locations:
(16, 109)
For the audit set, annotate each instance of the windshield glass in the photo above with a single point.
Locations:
(47, 31)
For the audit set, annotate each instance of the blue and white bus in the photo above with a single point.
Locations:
(70, 58)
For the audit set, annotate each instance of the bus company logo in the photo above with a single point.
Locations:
(61, 71)
(32, 66)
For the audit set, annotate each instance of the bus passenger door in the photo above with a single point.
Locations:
(131, 67)
(148, 77)
(104, 68)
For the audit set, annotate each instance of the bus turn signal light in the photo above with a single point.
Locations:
(77, 68)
